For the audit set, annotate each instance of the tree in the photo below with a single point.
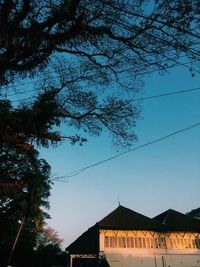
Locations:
(195, 213)
(110, 34)
(97, 39)
(21, 211)
(48, 248)
(48, 236)
(82, 50)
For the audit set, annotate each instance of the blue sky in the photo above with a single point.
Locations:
(148, 180)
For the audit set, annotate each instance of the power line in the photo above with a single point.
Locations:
(91, 76)
(143, 98)
(129, 26)
(167, 94)
(138, 73)
(137, 14)
(77, 172)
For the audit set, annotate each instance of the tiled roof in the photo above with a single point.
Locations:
(120, 219)
(87, 243)
(126, 219)
(176, 221)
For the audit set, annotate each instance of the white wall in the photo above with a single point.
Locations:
(170, 254)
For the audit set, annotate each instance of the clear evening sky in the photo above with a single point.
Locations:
(148, 180)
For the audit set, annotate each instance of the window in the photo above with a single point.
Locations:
(156, 240)
(193, 244)
(130, 243)
(122, 241)
(162, 241)
(113, 241)
(171, 243)
(148, 242)
(136, 242)
(106, 241)
(185, 243)
(175, 243)
(143, 242)
(189, 243)
(182, 243)
(152, 242)
(139, 242)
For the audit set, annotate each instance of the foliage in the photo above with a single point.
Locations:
(26, 202)
(110, 34)
(83, 51)
(48, 236)
(103, 262)
(195, 213)
(77, 45)
(98, 40)
(47, 250)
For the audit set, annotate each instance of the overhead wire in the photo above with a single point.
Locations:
(130, 27)
(91, 76)
(160, 139)
(139, 72)
(167, 94)
(141, 146)
(138, 14)
(148, 97)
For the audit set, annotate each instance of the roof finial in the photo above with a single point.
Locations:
(118, 200)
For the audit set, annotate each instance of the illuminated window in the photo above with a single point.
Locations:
(140, 242)
(189, 243)
(175, 243)
(171, 243)
(185, 243)
(148, 242)
(182, 243)
(106, 241)
(136, 242)
(163, 242)
(193, 244)
(152, 242)
(122, 242)
(156, 240)
(143, 242)
(113, 241)
(130, 243)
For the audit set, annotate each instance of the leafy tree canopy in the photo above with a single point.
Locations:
(82, 52)
(48, 236)
(80, 46)
(110, 34)
(29, 198)
(195, 213)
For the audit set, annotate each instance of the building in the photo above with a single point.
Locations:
(125, 238)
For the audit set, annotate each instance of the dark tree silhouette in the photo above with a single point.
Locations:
(82, 50)
(77, 45)
(25, 203)
(100, 41)
(195, 213)
(110, 34)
